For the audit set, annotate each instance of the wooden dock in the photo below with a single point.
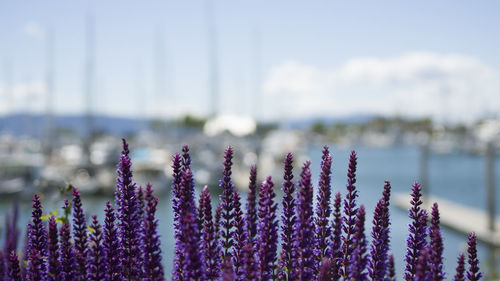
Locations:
(458, 217)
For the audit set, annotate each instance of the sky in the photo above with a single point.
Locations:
(273, 60)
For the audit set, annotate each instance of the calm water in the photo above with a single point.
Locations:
(459, 178)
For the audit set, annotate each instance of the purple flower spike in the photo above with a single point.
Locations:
(140, 203)
(124, 174)
(436, 246)
(176, 195)
(14, 272)
(288, 220)
(26, 250)
(325, 270)
(37, 242)
(416, 240)
(460, 271)
(377, 266)
(336, 253)
(96, 266)
(38, 236)
(36, 264)
(305, 227)
(473, 273)
(209, 243)
(217, 219)
(186, 159)
(66, 257)
(227, 205)
(249, 263)
(391, 271)
(323, 210)
(240, 237)
(153, 269)
(251, 206)
(268, 231)
(423, 270)
(11, 230)
(359, 258)
(128, 216)
(387, 193)
(80, 236)
(227, 270)
(350, 211)
(111, 246)
(3, 265)
(190, 243)
(53, 250)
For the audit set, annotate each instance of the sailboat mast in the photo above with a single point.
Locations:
(213, 60)
(49, 82)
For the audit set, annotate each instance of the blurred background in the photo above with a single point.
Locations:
(413, 87)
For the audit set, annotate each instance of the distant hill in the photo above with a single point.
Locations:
(34, 125)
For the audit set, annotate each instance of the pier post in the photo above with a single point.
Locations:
(424, 169)
(491, 203)
(490, 182)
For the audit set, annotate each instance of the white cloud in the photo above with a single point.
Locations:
(34, 29)
(446, 86)
(22, 96)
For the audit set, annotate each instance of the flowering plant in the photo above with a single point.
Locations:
(322, 242)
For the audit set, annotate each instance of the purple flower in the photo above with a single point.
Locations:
(323, 210)
(140, 203)
(193, 265)
(26, 250)
(80, 236)
(336, 253)
(227, 270)
(96, 265)
(473, 273)
(305, 226)
(176, 194)
(436, 246)
(249, 263)
(37, 243)
(460, 271)
(36, 266)
(111, 246)
(240, 237)
(288, 219)
(359, 258)
(416, 240)
(66, 257)
(350, 211)
(325, 270)
(14, 272)
(391, 270)
(377, 266)
(268, 231)
(217, 219)
(186, 159)
(251, 206)
(11, 230)
(423, 270)
(53, 250)
(210, 245)
(124, 174)
(227, 205)
(387, 193)
(128, 216)
(153, 269)
(3, 265)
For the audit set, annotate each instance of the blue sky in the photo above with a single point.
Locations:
(423, 58)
